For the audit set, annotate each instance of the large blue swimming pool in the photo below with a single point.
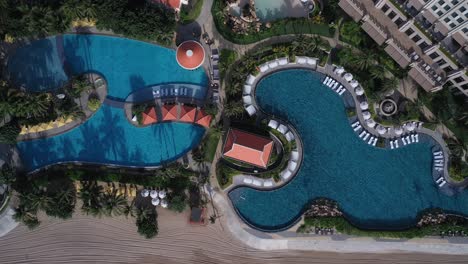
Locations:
(128, 65)
(376, 188)
(107, 137)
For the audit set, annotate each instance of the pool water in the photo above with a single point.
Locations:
(128, 65)
(269, 10)
(376, 188)
(107, 137)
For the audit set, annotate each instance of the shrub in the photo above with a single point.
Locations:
(147, 222)
(177, 203)
(8, 133)
(94, 104)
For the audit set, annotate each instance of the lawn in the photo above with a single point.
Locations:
(211, 145)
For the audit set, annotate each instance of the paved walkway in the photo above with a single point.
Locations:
(7, 223)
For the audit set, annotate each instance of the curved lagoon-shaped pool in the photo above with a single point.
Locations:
(376, 188)
(107, 137)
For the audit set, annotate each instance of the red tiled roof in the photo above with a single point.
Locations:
(187, 113)
(149, 116)
(169, 112)
(190, 55)
(203, 119)
(248, 148)
(174, 4)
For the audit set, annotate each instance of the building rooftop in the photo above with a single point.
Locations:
(247, 147)
(190, 55)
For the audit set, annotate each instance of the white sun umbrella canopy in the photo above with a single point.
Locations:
(381, 130)
(154, 194)
(364, 105)
(359, 91)
(247, 99)
(339, 70)
(164, 204)
(247, 89)
(144, 193)
(366, 115)
(162, 194)
(370, 123)
(348, 76)
(398, 131)
(155, 201)
(273, 124)
(410, 126)
(354, 83)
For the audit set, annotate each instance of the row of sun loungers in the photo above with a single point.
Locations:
(364, 135)
(334, 85)
(258, 183)
(441, 182)
(306, 61)
(171, 91)
(247, 98)
(283, 129)
(406, 140)
(438, 161)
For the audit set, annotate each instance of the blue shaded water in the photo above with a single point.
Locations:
(128, 65)
(269, 10)
(107, 137)
(376, 188)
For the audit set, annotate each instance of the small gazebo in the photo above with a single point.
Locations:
(190, 55)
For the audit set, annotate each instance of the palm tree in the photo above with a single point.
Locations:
(29, 105)
(36, 201)
(62, 204)
(130, 209)
(79, 9)
(26, 216)
(316, 43)
(91, 195)
(147, 222)
(114, 204)
(364, 61)
(457, 148)
(233, 109)
(377, 72)
(389, 84)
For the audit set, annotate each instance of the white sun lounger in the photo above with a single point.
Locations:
(366, 136)
(289, 136)
(335, 85)
(440, 179)
(403, 140)
(437, 153)
(273, 124)
(294, 155)
(248, 181)
(285, 175)
(439, 165)
(396, 143)
(438, 169)
(412, 138)
(438, 157)
(442, 184)
(257, 183)
(326, 80)
(342, 91)
(416, 137)
(331, 83)
(301, 60)
(264, 68)
(250, 110)
(283, 61)
(250, 79)
(247, 89)
(362, 134)
(247, 99)
(355, 124)
(408, 139)
(391, 144)
(312, 61)
(357, 128)
(370, 140)
(292, 165)
(273, 64)
(268, 183)
(375, 141)
(282, 129)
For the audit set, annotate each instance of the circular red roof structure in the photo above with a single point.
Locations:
(190, 55)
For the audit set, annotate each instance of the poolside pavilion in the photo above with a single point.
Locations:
(203, 118)
(187, 114)
(190, 55)
(149, 116)
(247, 147)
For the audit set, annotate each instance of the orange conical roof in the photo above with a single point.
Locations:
(149, 116)
(187, 114)
(190, 55)
(203, 119)
(169, 112)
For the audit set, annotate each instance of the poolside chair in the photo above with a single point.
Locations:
(342, 91)
(264, 67)
(408, 139)
(438, 157)
(326, 80)
(370, 140)
(362, 134)
(440, 179)
(357, 128)
(438, 169)
(283, 61)
(391, 144)
(416, 137)
(355, 124)
(437, 153)
(442, 184)
(375, 141)
(403, 140)
(366, 136)
(335, 85)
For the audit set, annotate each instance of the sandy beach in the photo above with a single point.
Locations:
(84, 239)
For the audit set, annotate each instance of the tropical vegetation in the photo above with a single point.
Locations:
(189, 13)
